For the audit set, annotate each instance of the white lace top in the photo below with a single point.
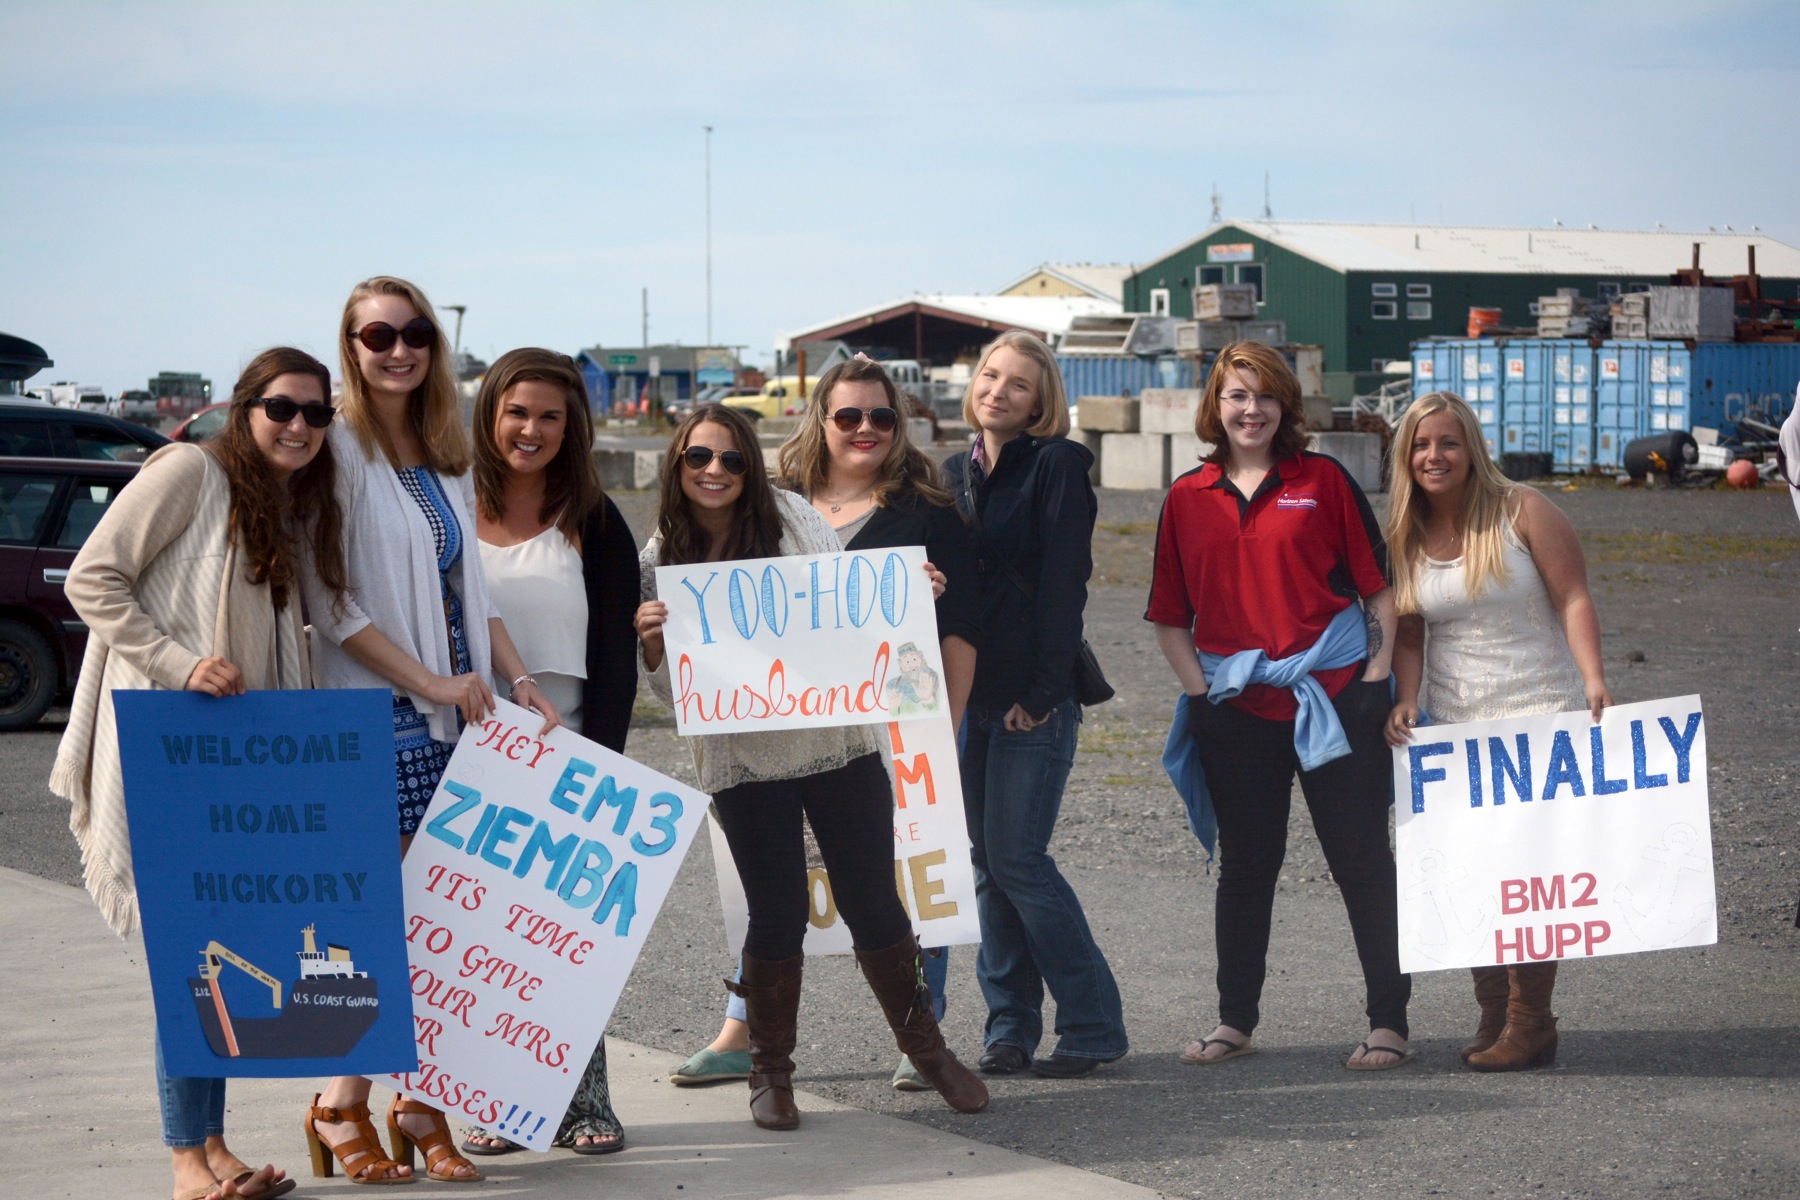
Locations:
(725, 760)
(1503, 655)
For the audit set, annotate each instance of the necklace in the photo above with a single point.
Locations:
(849, 499)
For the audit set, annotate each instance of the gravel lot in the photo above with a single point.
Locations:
(1679, 1071)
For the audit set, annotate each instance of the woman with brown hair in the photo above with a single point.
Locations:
(854, 463)
(1493, 572)
(189, 581)
(718, 506)
(417, 619)
(1263, 553)
(561, 566)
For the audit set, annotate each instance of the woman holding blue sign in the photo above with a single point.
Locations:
(189, 581)
(417, 619)
(562, 566)
(1494, 573)
(717, 506)
(853, 461)
(1263, 553)
(1025, 490)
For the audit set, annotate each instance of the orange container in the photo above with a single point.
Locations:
(1481, 320)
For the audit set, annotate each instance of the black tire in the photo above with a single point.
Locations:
(27, 675)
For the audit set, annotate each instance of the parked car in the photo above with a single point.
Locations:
(31, 430)
(135, 405)
(781, 397)
(48, 506)
(204, 425)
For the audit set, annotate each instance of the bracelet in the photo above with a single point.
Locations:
(513, 688)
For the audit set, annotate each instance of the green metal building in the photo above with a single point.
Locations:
(1365, 293)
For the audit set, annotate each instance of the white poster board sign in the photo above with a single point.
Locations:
(932, 871)
(1543, 838)
(806, 640)
(530, 889)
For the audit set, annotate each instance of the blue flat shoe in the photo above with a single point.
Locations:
(712, 1066)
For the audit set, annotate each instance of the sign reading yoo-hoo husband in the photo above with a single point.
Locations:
(1541, 838)
(787, 643)
(267, 858)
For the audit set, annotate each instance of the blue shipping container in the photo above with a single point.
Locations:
(1117, 375)
(1647, 387)
(1471, 369)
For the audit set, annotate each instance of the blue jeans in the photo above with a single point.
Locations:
(1033, 932)
(193, 1109)
(937, 971)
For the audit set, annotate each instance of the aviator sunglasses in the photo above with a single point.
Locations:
(849, 419)
(281, 410)
(380, 337)
(696, 457)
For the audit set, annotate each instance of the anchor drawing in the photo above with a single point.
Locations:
(1657, 921)
(1454, 930)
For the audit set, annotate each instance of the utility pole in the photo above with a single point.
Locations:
(709, 336)
(1268, 213)
(646, 320)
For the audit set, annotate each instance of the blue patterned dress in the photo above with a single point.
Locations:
(420, 759)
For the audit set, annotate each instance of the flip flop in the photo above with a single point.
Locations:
(267, 1193)
(470, 1147)
(1197, 1058)
(1405, 1056)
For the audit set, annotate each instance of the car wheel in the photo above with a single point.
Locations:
(27, 675)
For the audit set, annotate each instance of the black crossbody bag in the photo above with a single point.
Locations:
(1091, 687)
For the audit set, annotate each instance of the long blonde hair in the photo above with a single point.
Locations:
(804, 462)
(1484, 506)
(433, 409)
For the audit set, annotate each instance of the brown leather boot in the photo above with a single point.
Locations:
(1529, 1039)
(897, 977)
(771, 992)
(1491, 988)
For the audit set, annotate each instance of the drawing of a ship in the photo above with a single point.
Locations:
(328, 1008)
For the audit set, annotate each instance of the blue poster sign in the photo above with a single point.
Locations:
(267, 857)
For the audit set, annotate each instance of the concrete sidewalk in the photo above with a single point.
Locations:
(80, 1104)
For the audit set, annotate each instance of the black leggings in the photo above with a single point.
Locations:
(851, 811)
(1250, 766)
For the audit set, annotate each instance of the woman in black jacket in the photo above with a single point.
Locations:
(561, 562)
(852, 459)
(1025, 489)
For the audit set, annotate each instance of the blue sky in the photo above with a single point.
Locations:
(183, 184)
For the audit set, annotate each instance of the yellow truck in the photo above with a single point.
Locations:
(779, 397)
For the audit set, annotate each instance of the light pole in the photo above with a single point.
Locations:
(709, 336)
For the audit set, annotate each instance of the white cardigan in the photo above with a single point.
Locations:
(392, 561)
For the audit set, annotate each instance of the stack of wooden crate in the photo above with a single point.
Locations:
(1631, 316)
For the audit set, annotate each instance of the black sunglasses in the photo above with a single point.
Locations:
(380, 337)
(281, 410)
(849, 419)
(696, 457)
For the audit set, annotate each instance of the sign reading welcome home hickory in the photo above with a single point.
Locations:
(530, 888)
(786, 643)
(1536, 839)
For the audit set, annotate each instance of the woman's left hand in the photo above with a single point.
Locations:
(938, 582)
(1598, 699)
(527, 695)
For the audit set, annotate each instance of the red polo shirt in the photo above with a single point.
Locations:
(1268, 572)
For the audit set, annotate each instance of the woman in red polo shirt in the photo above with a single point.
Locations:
(1271, 548)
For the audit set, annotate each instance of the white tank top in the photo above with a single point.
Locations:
(537, 587)
(1503, 655)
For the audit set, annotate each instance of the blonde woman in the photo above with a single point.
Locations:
(1493, 572)
(417, 619)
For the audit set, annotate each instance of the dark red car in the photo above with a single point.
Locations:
(48, 506)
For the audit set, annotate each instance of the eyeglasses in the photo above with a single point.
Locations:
(379, 336)
(696, 457)
(849, 419)
(281, 410)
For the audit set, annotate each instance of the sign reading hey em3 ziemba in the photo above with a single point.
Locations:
(1535, 839)
(530, 888)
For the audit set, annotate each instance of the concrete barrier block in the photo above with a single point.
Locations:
(1108, 414)
(1359, 452)
(1135, 461)
(627, 470)
(918, 430)
(1168, 410)
(1093, 441)
(1185, 453)
(1318, 411)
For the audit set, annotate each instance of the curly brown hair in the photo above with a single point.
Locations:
(805, 463)
(1275, 376)
(265, 512)
(755, 521)
(571, 481)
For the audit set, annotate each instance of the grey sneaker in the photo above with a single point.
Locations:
(907, 1077)
(712, 1066)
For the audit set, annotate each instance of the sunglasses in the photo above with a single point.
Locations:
(281, 410)
(380, 337)
(696, 457)
(849, 419)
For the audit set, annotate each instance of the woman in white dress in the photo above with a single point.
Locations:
(561, 567)
(1495, 621)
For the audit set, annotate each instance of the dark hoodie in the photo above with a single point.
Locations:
(1034, 509)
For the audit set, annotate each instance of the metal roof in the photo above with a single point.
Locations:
(1557, 250)
(1046, 315)
(1103, 280)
